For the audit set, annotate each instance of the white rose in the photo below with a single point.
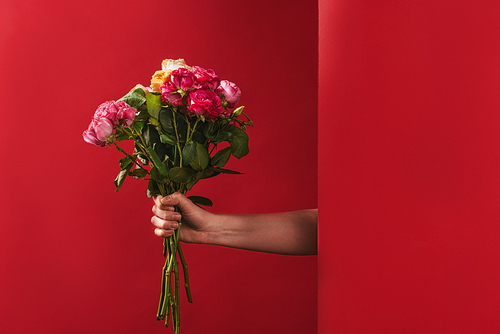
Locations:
(168, 65)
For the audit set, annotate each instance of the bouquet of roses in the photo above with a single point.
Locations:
(184, 128)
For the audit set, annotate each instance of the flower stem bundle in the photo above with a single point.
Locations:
(184, 127)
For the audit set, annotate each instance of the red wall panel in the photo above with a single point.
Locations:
(409, 133)
(76, 257)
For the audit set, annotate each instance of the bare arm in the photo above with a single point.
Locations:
(293, 233)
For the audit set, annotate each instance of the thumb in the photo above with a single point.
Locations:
(178, 199)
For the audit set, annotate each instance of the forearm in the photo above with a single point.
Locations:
(292, 233)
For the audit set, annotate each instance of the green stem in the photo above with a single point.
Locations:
(134, 160)
(176, 298)
(161, 314)
(177, 136)
(185, 270)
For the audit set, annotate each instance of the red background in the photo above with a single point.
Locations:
(76, 257)
(408, 166)
(409, 142)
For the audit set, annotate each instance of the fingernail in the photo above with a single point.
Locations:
(165, 199)
(177, 216)
(174, 225)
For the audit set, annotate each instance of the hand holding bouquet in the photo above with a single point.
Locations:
(184, 128)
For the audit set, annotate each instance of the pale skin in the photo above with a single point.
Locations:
(290, 233)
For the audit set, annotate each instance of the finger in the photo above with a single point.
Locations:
(163, 233)
(166, 215)
(178, 199)
(164, 224)
(159, 204)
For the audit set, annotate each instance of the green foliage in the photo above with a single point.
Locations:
(201, 200)
(120, 178)
(156, 161)
(181, 174)
(152, 139)
(138, 173)
(238, 141)
(166, 119)
(135, 98)
(158, 176)
(202, 158)
(154, 103)
(189, 153)
(153, 189)
(222, 157)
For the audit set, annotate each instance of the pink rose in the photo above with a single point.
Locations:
(90, 137)
(118, 112)
(232, 93)
(125, 113)
(98, 132)
(169, 94)
(106, 118)
(205, 79)
(182, 78)
(106, 110)
(206, 103)
(103, 128)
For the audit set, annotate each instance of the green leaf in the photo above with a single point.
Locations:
(181, 174)
(152, 139)
(158, 176)
(153, 189)
(167, 125)
(125, 162)
(141, 116)
(199, 137)
(153, 100)
(150, 135)
(189, 153)
(238, 141)
(190, 184)
(138, 173)
(204, 174)
(120, 178)
(156, 161)
(120, 134)
(138, 126)
(201, 200)
(167, 140)
(182, 127)
(135, 98)
(207, 173)
(228, 171)
(202, 157)
(210, 130)
(155, 122)
(221, 157)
